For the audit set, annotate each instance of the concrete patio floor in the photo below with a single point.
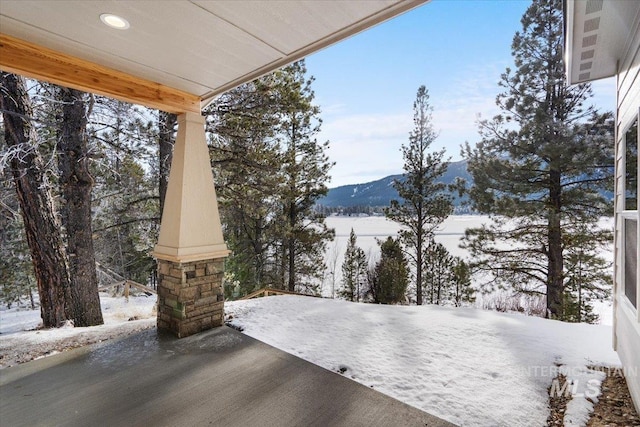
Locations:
(217, 378)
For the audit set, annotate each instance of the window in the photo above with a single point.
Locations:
(631, 168)
(631, 260)
(630, 215)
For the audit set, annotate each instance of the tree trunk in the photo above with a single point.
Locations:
(579, 288)
(166, 124)
(292, 249)
(281, 264)
(36, 203)
(555, 279)
(419, 229)
(258, 251)
(76, 183)
(419, 268)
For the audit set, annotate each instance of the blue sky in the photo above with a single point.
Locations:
(366, 85)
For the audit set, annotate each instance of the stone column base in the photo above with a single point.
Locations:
(190, 296)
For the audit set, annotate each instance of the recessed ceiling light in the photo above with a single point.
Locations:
(114, 21)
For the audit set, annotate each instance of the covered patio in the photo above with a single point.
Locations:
(220, 377)
(177, 56)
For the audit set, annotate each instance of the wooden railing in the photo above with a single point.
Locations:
(127, 287)
(267, 291)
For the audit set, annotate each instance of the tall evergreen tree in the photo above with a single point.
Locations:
(354, 271)
(76, 184)
(166, 139)
(126, 200)
(588, 274)
(304, 173)
(16, 269)
(246, 160)
(269, 172)
(36, 201)
(389, 279)
(541, 167)
(87, 144)
(424, 203)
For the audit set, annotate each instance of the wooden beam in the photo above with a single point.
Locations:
(30, 60)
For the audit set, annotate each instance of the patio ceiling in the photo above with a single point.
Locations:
(175, 55)
(598, 34)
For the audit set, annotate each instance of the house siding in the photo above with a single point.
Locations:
(627, 318)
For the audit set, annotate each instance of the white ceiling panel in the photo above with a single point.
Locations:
(287, 25)
(202, 47)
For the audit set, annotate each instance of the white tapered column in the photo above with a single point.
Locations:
(190, 229)
(190, 249)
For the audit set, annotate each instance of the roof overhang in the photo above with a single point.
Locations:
(598, 34)
(177, 55)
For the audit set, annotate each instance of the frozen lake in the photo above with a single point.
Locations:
(368, 229)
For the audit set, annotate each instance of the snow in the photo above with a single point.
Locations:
(584, 382)
(114, 311)
(369, 229)
(18, 319)
(20, 341)
(468, 366)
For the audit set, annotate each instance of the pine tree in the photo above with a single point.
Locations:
(270, 171)
(354, 271)
(424, 204)
(447, 279)
(126, 202)
(589, 277)
(246, 162)
(438, 278)
(167, 123)
(463, 291)
(36, 201)
(16, 269)
(87, 144)
(389, 279)
(76, 184)
(304, 173)
(541, 167)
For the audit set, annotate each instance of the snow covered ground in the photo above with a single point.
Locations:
(468, 366)
(20, 341)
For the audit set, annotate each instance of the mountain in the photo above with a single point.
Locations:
(381, 192)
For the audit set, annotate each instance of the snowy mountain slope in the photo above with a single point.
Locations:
(380, 192)
(471, 367)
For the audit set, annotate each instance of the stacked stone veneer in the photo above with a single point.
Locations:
(190, 296)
